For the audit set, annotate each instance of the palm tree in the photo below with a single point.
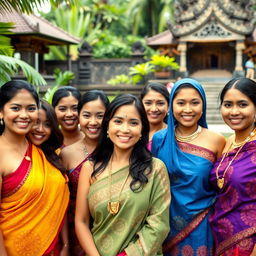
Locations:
(149, 17)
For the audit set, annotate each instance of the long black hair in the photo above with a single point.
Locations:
(140, 162)
(55, 140)
(10, 89)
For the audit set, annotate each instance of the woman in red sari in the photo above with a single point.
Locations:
(91, 109)
(34, 193)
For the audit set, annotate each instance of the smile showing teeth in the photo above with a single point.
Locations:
(93, 130)
(69, 121)
(235, 120)
(37, 136)
(124, 138)
(22, 124)
(187, 118)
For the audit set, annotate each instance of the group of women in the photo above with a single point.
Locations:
(137, 176)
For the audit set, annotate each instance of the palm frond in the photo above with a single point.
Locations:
(10, 66)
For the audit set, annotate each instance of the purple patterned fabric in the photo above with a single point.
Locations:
(233, 221)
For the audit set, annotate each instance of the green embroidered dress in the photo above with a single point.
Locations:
(142, 223)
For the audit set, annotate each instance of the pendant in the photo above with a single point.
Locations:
(113, 207)
(220, 182)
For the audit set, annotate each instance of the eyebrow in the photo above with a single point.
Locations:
(16, 104)
(119, 117)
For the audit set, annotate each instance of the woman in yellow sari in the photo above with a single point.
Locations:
(124, 189)
(34, 193)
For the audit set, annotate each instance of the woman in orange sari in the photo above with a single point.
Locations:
(34, 194)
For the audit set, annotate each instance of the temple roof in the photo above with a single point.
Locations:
(164, 38)
(191, 15)
(37, 26)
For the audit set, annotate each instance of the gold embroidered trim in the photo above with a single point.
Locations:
(235, 239)
(186, 231)
(197, 150)
(20, 185)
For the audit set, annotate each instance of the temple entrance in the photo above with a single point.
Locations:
(201, 56)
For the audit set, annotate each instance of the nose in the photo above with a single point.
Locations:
(125, 127)
(234, 110)
(93, 120)
(39, 127)
(69, 112)
(154, 107)
(187, 108)
(23, 113)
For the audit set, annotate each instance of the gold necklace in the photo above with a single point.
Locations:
(221, 181)
(114, 206)
(190, 137)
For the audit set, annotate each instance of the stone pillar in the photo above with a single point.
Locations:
(239, 71)
(84, 64)
(69, 61)
(138, 51)
(182, 48)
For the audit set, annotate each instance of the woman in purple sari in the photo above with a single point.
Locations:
(234, 174)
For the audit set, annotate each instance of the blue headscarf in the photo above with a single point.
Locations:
(164, 145)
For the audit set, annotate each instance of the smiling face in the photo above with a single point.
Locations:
(19, 113)
(90, 118)
(238, 111)
(66, 111)
(156, 107)
(187, 107)
(125, 127)
(41, 130)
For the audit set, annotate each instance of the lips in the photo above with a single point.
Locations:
(187, 117)
(22, 124)
(70, 121)
(235, 120)
(93, 130)
(124, 139)
(38, 136)
(154, 115)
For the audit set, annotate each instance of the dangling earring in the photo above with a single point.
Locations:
(107, 135)
(1, 121)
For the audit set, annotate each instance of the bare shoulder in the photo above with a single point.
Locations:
(70, 148)
(214, 136)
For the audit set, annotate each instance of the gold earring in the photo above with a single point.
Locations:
(1, 121)
(107, 135)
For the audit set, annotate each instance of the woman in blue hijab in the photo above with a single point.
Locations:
(189, 151)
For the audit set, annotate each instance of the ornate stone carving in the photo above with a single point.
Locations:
(212, 29)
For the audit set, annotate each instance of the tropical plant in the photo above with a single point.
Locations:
(149, 17)
(61, 78)
(9, 66)
(120, 79)
(163, 63)
(139, 71)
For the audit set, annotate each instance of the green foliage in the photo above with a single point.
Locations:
(140, 71)
(119, 79)
(9, 66)
(161, 62)
(5, 42)
(61, 78)
(110, 46)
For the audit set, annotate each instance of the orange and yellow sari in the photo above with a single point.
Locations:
(33, 205)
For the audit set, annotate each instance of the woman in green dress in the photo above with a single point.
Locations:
(123, 188)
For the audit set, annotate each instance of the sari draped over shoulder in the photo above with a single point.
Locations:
(33, 205)
(142, 223)
(189, 168)
(73, 176)
(234, 218)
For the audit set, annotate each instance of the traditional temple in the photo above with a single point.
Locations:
(209, 34)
